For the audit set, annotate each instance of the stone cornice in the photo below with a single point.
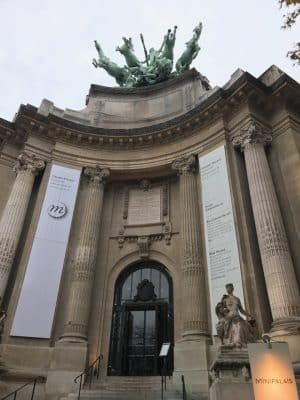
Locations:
(221, 103)
(142, 91)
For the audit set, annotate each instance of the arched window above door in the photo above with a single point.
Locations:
(153, 272)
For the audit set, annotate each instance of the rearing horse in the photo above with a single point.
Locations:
(128, 52)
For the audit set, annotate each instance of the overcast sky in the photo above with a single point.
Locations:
(46, 46)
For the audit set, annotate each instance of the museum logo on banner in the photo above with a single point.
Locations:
(57, 210)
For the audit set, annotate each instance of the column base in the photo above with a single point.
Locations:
(68, 361)
(288, 330)
(190, 360)
(287, 324)
(72, 338)
(74, 333)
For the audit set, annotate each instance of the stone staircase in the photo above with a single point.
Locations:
(127, 388)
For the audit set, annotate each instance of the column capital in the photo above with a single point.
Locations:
(29, 162)
(97, 174)
(185, 165)
(249, 135)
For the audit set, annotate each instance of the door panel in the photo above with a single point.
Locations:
(141, 352)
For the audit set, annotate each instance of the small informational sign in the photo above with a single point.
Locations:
(272, 372)
(36, 306)
(164, 349)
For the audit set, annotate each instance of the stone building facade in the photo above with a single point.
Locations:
(136, 252)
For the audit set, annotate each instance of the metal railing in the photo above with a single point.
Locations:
(86, 377)
(184, 397)
(33, 382)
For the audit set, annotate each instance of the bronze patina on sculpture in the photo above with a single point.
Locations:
(158, 64)
(233, 330)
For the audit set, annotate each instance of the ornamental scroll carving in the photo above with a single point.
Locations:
(97, 174)
(28, 162)
(251, 134)
(166, 235)
(185, 165)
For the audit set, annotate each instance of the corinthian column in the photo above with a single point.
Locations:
(84, 260)
(281, 283)
(11, 224)
(194, 287)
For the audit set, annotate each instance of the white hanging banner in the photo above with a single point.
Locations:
(220, 236)
(272, 371)
(36, 306)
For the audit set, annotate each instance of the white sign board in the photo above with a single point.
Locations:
(272, 372)
(164, 350)
(36, 306)
(220, 236)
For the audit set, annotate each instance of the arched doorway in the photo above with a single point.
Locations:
(142, 320)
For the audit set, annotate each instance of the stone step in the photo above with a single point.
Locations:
(139, 395)
(126, 388)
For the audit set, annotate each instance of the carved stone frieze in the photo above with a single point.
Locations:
(166, 234)
(251, 134)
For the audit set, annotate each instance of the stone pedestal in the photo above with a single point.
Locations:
(68, 361)
(190, 358)
(230, 376)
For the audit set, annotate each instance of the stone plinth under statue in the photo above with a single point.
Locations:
(230, 376)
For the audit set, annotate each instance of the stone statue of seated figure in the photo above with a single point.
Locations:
(233, 330)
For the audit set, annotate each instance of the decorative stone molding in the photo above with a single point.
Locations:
(145, 185)
(185, 165)
(28, 162)
(166, 234)
(97, 174)
(251, 134)
(230, 366)
(125, 202)
(167, 231)
(165, 205)
(144, 243)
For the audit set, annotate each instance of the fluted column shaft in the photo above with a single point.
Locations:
(281, 283)
(11, 224)
(84, 260)
(194, 286)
